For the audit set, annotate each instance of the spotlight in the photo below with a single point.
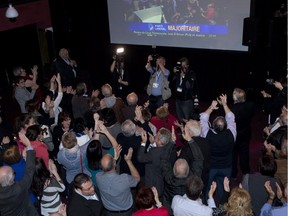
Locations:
(120, 50)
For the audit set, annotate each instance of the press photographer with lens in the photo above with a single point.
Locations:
(185, 91)
(274, 101)
(158, 89)
(120, 79)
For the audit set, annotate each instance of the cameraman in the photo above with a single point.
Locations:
(158, 82)
(120, 77)
(273, 104)
(184, 83)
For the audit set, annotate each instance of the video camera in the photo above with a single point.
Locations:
(178, 67)
(154, 59)
(119, 57)
(270, 81)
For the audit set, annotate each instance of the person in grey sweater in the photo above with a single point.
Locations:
(22, 95)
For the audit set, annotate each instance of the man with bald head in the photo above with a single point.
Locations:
(196, 151)
(174, 176)
(14, 196)
(114, 188)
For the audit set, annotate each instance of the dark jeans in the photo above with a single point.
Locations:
(218, 175)
(120, 213)
(184, 109)
(154, 103)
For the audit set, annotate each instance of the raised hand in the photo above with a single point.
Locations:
(117, 152)
(226, 184)
(279, 191)
(212, 189)
(269, 190)
(223, 99)
(144, 136)
(128, 156)
(24, 139)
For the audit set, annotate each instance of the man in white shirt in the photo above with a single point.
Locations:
(191, 203)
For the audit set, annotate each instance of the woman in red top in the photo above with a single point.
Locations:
(164, 119)
(34, 134)
(148, 203)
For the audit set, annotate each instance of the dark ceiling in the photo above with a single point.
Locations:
(4, 3)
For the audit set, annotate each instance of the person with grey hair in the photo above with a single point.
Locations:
(221, 138)
(67, 68)
(115, 189)
(110, 101)
(30, 79)
(14, 196)
(128, 139)
(244, 111)
(152, 158)
(128, 110)
(196, 151)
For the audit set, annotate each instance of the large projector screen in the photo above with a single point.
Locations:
(202, 24)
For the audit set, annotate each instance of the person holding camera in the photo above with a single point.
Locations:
(120, 77)
(184, 83)
(272, 104)
(158, 88)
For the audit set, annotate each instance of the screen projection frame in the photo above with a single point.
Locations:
(141, 26)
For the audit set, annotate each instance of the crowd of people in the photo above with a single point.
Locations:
(79, 151)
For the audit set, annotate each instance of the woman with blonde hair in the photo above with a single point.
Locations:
(239, 203)
(236, 203)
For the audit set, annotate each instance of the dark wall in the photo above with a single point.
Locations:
(85, 31)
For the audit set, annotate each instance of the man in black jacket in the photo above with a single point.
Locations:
(84, 199)
(244, 112)
(196, 152)
(174, 176)
(66, 67)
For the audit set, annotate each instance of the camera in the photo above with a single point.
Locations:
(270, 81)
(120, 58)
(154, 59)
(178, 67)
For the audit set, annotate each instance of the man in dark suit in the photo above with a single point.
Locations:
(152, 158)
(14, 196)
(84, 200)
(66, 67)
(196, 152)
(244, 112)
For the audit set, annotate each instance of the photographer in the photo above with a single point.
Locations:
(158, 87)
(120, 77)
(184, 83)
(273, 103)
(151, 63)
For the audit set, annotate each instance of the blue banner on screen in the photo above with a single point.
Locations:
(202, 29)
